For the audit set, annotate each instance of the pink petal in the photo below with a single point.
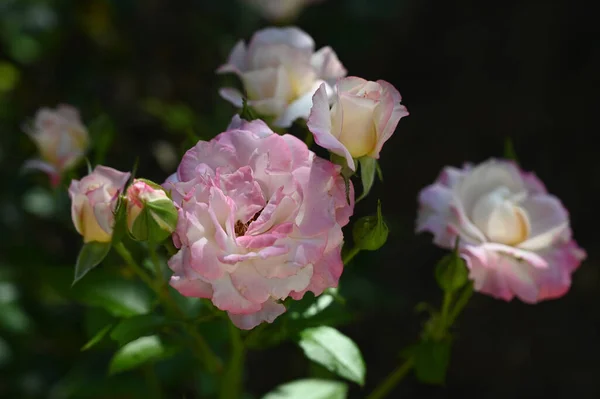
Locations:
(269, 312)
(328, 65)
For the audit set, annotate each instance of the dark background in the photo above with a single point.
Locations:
(471, 74)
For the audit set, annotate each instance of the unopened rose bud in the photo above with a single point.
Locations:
(151, 215)
(370, 232)
(94, 199)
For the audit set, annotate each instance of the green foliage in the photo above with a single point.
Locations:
(90, 256)
(97, 337)
(335, 351)
(134, 327)
(136, 353)
(309, 389)
(119, 297)
(368, 168)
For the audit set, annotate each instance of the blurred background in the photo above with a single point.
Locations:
(471, 74)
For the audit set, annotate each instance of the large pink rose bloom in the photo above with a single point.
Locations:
(260, 219)
(514, 236)
(281, 71)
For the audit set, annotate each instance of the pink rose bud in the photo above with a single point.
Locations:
(364, 115)
(280, 10)
(260, 220)
(514, 236)
(151, 215)
(61, 138)
(94, 199)
(280, 71)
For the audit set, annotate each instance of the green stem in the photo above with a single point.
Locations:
(460, 304)
(309, 139)
(137, 269)
(350, 255)
(392, 380)
(231, 383)
(201, 347)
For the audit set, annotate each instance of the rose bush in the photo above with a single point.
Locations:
(260, 219)
(280, 72)
(514, 236)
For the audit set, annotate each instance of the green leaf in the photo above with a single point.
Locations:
(97, 338)
(90, 256)
(121, 298)
(431, 361)
(136, 353)
(333, 350)
(132, 328)
(368, 167)
(310, 389)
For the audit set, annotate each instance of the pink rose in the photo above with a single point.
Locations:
(364, 115)
(94, 199)
(280, 10)
(280, 71)
(260, 219)
(61, 138)
(514, 236)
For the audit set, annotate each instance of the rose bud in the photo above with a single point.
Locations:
(364, 115)
(151, 215)
(94, 199)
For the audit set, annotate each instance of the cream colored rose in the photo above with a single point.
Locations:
(280, 72)
(94, 199)
(364, 115)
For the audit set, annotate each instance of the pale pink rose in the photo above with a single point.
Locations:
(280, 72)
(260, 220)
(94, 199)
(364, 115)
(280, 10)
(61, 138)
(514, 236)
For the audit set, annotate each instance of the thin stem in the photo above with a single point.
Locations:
(461, 302)
(231, 383)
(212, 362)
(350, 255)
(309, 139)
(392, 380)
(137, 269)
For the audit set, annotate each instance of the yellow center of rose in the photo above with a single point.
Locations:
(498, 215)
